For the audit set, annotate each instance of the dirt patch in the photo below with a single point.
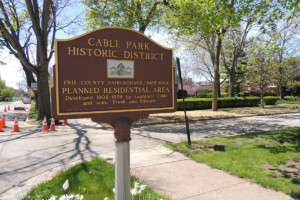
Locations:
(195, 115)
(290, 169)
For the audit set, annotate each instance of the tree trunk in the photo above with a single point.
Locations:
(281, 92)
(216, 73)
(262, 99)
(231, 83)
(219, 89)
(43, 93)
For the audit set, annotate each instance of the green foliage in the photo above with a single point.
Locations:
(209, 95)
(7, 92)
(179, 94)
(269, 100)
(33, 114)
(204, 95)
(259, 157)
(135, 14)
(93, 179)
(244, 94)
(225, 102)
(2, 85)
(289, 101)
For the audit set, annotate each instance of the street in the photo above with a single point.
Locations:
(27, 154)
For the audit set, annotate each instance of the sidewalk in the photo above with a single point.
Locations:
(179, 177)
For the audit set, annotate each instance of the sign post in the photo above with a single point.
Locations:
(117, 76)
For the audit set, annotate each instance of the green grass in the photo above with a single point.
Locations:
(93, 179)
(271, 159)
(32, 112)
(290, 100)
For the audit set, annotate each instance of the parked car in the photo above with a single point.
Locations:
(26, 100)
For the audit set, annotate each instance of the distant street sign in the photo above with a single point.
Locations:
(110, 72)
(34, 87)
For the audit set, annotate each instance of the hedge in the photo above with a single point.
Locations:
(270, 100)
(227, 102)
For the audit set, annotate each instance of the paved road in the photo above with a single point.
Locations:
(28, 154)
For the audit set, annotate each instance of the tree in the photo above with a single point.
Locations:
(217, 17)
(135, 14)
(284, 60)
(233, 49)
(206, 18)
(32, 26)
(7, 92)
(258, 71)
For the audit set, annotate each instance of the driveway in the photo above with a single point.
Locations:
(25, 155)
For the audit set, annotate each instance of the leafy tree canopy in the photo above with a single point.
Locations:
(135, 14)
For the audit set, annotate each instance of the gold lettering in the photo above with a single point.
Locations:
(99, 54)
(64, 90)
(105, 42)
(128, 44)
(99, 43)
(118, 44)
(140, 45)
(82, 52)
(126, 54)
(112, 54)
(146, 46)
(104, 53)
(89, 41)
(89, 50)
(72, 50)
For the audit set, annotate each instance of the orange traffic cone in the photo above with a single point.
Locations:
(45, 127)
(65, 122)
(5, 109)
(3, 120)
(16, 126)
(52, 126)
(1, 127)
(8, 108)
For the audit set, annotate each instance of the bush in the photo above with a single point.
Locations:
(270, 100)
(210, 95)
(227, 102)
(204, 95)
(244, 94)
(270, 93)
(179, 94)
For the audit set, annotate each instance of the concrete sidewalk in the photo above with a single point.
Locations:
(174, 174)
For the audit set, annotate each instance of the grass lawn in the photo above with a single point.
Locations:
(291, 100)
(93, 179)
(271, 159)
(32, 113)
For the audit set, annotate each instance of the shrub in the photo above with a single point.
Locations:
(270, 100)
(204, 95)
(209, 95)
(244, 94)
(270, 93)
(227, 102)
(179, 94)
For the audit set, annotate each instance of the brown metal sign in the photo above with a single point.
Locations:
(112, 72)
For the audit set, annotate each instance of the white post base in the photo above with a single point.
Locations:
(122, 171)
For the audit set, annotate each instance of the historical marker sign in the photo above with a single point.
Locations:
(34, 87)
(112, 72)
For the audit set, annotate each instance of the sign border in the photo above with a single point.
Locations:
(58, 113)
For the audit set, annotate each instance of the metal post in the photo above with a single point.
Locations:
(122, 159)
(186, 118)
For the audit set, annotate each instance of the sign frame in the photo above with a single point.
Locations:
(102, 114)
